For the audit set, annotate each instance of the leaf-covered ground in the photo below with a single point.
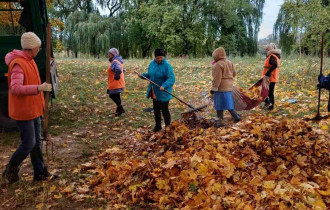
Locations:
(261, 162)
(185, 165)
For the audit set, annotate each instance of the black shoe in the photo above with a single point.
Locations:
(45, 175)
(119, 111)
(157, 128)
(11, 174)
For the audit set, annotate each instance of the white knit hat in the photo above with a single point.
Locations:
(114, 51)
(30, 40)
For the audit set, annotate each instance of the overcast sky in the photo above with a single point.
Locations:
(271, 9)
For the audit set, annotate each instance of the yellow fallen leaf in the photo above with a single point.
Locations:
(58, 196)
(324, 127)
(68, 189)
(144, 153)
(300, 205)
(202, 170)
(269, 151)
(325, 193)
(52, 188)
(39, 206)
(269, 184)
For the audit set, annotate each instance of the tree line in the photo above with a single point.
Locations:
(191, 28)
(183, 27)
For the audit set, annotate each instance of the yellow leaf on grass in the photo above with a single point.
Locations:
(68, 189)
(52, 188)
(58, 196)
(39, 206)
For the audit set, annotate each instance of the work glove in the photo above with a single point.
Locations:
(45, 87)
(212, 92)
(117, 77)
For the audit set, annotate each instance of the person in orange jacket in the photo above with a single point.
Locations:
(116, 80)
(26, 106)
(271, 69)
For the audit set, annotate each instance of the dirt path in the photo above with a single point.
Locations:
(69, 152)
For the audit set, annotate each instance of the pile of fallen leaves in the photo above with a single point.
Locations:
(262, 162)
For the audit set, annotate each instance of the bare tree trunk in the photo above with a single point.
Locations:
(299, 36)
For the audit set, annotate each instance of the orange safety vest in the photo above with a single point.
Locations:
(275, 72)
(25, 107)
(116, 84)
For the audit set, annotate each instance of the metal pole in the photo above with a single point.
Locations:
(47, 94)
(318, 116)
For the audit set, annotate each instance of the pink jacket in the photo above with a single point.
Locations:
(17, 86)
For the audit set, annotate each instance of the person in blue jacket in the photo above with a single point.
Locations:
(161, 72)
(324, 82)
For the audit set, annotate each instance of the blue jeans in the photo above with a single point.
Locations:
(30, 132)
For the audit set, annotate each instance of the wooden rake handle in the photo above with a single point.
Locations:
(164, 90)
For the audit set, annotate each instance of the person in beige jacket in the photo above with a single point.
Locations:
(223, 74)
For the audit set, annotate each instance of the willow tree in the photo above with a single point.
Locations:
(70, 37)
(233, 24)
(89, 32)
(183, 27)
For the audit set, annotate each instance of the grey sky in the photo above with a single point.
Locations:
(270, 13)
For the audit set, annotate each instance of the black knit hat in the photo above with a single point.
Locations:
(159, 52)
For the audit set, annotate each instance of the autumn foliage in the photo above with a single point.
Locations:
(6, 18)
(261, 162)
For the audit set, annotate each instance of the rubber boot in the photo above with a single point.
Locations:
(119, 111)
(11, 174)
(234, 114)
(218, 122)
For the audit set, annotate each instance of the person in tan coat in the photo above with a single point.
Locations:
(223, 74)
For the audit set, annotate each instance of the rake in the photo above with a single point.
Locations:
(192, 109)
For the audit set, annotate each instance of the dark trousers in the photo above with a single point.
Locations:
(30, 132)
(116, 98)
(161, 107)
(270, 99)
